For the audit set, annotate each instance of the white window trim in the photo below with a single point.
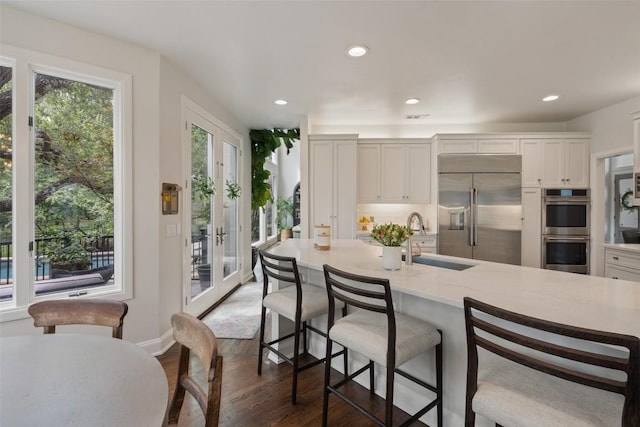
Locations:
(24, 62)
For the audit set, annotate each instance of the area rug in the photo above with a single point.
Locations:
(238, 317)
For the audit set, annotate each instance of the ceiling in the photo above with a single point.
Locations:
(473, 62)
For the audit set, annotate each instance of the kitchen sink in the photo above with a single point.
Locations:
(433, 262)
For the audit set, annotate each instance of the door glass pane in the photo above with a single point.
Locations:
(202, 192)
(6, 184)
(567, 215)
(73, 185)
(230, 209)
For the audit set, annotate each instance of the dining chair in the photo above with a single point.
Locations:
(194, 336)
(533, 372)
(102, 312)
(300, 302)
(385, 337)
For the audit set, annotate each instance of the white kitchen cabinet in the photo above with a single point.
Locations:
(479, 145)
(555, 163)
(405, 173)
(332, 184)
(622, 264)
(368, 173)
(531, 238)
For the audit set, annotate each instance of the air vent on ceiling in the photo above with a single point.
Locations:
(415, 116)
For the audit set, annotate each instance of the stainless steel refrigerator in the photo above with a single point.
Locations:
(479, 207)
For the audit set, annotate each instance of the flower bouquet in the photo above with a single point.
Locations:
(391, 234)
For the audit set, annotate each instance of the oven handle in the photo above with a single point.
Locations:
(566, 200)
(556, 238)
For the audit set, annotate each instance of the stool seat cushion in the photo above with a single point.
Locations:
(366, 333)
(512, 394)
(314, 302)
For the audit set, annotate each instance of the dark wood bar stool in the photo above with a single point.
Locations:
(541, 373)
(299, 303)
(377, 332)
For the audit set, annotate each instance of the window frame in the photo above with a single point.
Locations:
(25, 64)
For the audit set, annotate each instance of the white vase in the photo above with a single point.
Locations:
(391, 257)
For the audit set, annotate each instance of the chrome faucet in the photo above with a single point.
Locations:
(408, 256)
(421, 231)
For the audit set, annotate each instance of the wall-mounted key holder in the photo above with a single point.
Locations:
(170, 198)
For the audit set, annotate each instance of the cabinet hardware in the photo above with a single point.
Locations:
(616, 258)
(614, 277)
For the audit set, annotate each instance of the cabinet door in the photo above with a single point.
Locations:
(418, 173)
(369, 173)
(321, 183)
(344, 190)
(458, 146)
(393, 173)
(577, 163)
(553, 163)
(531, 163)
(531, 242)
(498, 146)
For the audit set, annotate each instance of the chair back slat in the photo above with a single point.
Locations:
(101, 312)
(557, 356)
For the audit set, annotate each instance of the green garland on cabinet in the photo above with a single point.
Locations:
(263, 143)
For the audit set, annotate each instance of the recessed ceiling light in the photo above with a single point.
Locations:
(356, 51)
(550, 98)
(412, 101)
(280, 102)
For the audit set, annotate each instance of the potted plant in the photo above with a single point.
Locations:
(391, 237)
(67, 254)
(285, 211)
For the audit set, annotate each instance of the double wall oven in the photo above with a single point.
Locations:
(565, 230)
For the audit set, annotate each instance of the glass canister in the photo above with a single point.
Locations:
(322, 237)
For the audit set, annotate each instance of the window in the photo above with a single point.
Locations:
(263, 221)
(71, 151)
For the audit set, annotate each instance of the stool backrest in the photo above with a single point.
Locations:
(194, 336)
(281, 268)
(102, 312)
(365, 293)
(565, 343)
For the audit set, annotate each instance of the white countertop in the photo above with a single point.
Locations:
(633, 247)
(586, 301)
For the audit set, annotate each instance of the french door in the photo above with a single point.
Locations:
(211, 212)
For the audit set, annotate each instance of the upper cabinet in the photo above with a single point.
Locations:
(394, 172)
(636, 154)
(476, 144)
(555, 162)
(332, 184)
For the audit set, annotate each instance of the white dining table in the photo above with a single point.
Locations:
(79, 380)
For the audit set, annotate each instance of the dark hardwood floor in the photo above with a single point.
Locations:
(252, 400)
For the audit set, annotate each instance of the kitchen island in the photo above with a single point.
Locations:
(435, 294)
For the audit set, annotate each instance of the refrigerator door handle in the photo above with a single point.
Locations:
(474, 206)
(471, 218)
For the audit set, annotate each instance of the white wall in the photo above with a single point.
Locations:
(288, 169)
(173, 84)
(611, 127)
(157, 87)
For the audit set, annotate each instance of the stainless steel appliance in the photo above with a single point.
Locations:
(565, 212)
(565, 229)
(566, 253)
(479, 207)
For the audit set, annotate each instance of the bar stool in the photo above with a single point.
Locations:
(519, 387)
(300, 303)
(380, 334)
